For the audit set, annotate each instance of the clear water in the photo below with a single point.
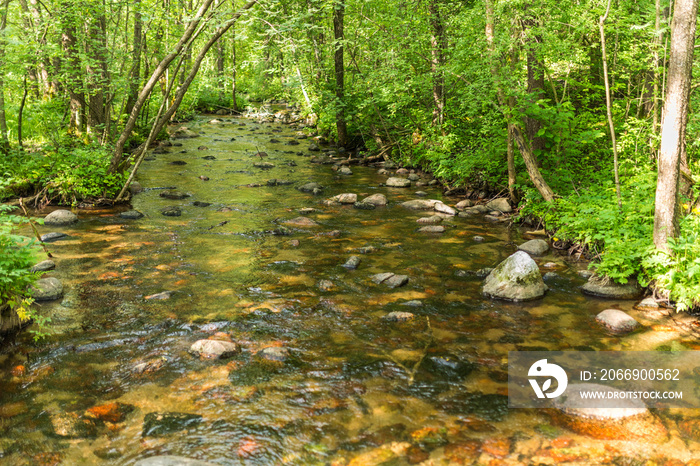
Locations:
(351, 387)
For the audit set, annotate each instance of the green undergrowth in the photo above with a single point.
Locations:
(65, 174)
(620, 238)
(17, 255)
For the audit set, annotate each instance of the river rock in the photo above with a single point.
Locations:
(461, 205)
(604, 287)
(301, 222)
(110, 412)
(309, 187)
(60, 217)
(364, 206)
(273, 353)
(516, 279)
(314, 147)
(47, 289)
(173, 194)
(609, 419)
(617, 321)
(549, 276)
(264, 165)
(184, 133)
(376, 199)
(479, 239)
(170, 460)
(345, 198)
(162, 296)
(158, 424)
(432, 220)
(352, 263)
(70, 425)
(501, 204)
(432, 229)
(444, 208)
(413, 177)
(345, 171)
(172, 211)
(399, 316)
(131, 215)
(135, 187)
(214, 349)
(419, 204)
(535, 247)
(648, 304)
(447, 366)
(201, 204)
(396, 182)
(43, 266)
(53, 236)
(325, 285)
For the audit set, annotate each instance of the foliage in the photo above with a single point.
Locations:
(69, 172)
(618, 237)
(17, 255)
(677, 274)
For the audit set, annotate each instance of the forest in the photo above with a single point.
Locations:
(582, 113)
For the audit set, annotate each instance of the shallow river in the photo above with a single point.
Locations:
(349, 386)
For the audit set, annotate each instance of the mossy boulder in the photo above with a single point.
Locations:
(515, 279)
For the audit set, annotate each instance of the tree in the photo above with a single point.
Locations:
(666, 215)
(339, 63)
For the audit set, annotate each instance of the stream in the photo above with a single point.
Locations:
(323, 377)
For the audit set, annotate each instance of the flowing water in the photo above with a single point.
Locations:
(352, 385)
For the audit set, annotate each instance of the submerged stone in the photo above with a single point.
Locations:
(53, 236)
(173, 211)
(399, 316)
(60, 217)
(516, 279)
(214, 349)
(618, 418)
(309, 187)
(447, 366)
(432, 229)
(159, 424)
(301, 222)
(173, 194)
(131, 215)
(352, 263)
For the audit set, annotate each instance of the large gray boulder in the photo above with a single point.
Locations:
(47, 289)
(516, 279)
(376, 199)
(604, 287)
(419, 204)
(396, 182)
(444, 208)
(60, 217)
(535, 247)
(501, 204)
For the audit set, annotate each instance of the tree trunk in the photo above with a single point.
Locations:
(71, 67)
(666, 215)
(4, 142)
(135, 74)
(608, 104)
(437, 62)
(340, 123)
(535, 85)
(234, 70)
(97, 71)
(182, 90)
(151, 83)
(516, 129)
(220, 78)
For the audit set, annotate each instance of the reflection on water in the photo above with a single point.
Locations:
(351, 385)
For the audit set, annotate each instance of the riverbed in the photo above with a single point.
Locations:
(323, 377)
